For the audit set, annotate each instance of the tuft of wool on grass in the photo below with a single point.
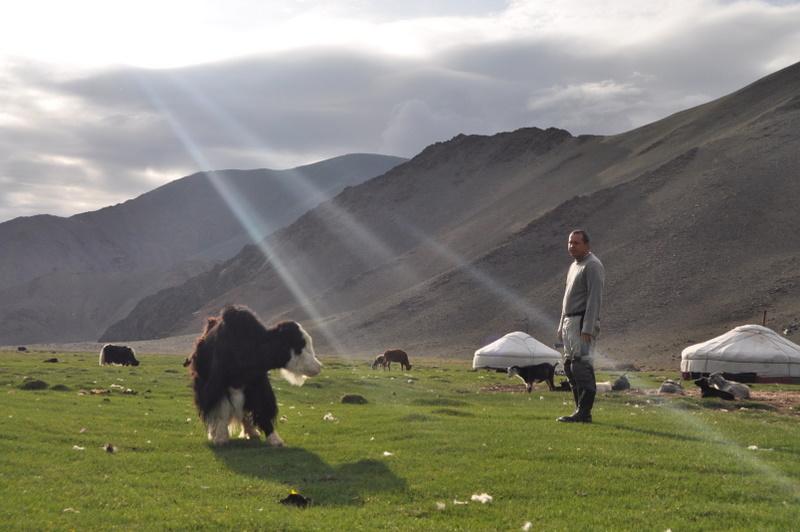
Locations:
(482, 498)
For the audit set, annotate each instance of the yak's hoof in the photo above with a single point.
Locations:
(274, 440)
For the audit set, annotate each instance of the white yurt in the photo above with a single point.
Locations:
(514, 349)
(747, 349)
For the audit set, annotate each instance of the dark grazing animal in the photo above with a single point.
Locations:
(117, 354)
(396, 355)
(379, 361)
(537, 373)
(229, 372)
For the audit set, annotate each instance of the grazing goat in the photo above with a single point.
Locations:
(379, 361)
(532, 374)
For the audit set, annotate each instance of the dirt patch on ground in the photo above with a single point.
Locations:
(786, 401)
(782, 400)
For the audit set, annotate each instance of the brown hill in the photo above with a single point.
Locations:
(64, 279)
(693, 216)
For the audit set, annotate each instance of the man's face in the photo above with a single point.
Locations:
(576, 246)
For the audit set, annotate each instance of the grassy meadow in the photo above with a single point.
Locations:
(409, 459)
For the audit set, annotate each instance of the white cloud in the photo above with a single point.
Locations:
(603, 93)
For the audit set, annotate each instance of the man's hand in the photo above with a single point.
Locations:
(586, 337)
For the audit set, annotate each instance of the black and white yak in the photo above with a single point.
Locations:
(229, 370)
(118, 354)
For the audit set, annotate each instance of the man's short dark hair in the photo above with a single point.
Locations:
(583, 234)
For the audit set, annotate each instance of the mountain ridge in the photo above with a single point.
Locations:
(706, 187)
(68, 278)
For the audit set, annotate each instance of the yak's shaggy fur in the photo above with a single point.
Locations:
(229, 372)
(395, 355)
(118, 354)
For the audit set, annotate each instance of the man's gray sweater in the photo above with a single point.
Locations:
(584, 293)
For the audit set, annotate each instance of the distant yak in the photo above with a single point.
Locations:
(118, 354)
(395, 355)
(229, 368)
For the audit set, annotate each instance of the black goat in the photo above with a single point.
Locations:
(532, 374)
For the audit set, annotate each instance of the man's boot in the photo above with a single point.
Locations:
(585, 408)
(576, 394)
(573, 386)
(584, 412)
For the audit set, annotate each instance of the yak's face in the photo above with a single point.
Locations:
(303, 361)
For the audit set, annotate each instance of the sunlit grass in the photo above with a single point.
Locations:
(679, 464)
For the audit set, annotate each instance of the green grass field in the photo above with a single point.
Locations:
(426, 439)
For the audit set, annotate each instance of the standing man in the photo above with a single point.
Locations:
(579, 325)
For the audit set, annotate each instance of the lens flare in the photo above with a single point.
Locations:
(504, 293)
(249, 219)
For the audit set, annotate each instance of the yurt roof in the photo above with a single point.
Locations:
(746, 343)
(514, 349)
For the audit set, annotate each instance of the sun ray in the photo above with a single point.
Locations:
(502, 292)
(360, 239)
(249, 220)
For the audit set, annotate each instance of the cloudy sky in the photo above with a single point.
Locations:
(101, 101)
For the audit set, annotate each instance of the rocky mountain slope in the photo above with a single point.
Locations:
(692, 215)
(65, 279)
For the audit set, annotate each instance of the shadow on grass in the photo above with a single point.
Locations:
(684, 437)
(453, 412)
(326, 485)
(657, 433)
(439, 401)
